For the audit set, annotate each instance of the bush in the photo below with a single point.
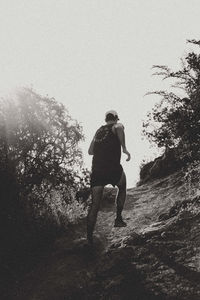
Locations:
(39, 169)
(50, 212)
(39, 138)
(175, 121)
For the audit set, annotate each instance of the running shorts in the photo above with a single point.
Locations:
(104, 177)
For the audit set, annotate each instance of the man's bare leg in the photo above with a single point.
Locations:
(121, 197)
(97, 193)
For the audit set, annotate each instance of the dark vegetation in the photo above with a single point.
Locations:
(174, 122)
(40, 170)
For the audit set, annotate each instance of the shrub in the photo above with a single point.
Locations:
(40, 160)
(175, 121)
(39, 137)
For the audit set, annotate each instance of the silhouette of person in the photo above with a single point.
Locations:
(106, 168)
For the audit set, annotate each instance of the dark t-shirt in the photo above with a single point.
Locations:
(107, 150)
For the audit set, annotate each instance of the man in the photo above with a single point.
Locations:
(106, 168)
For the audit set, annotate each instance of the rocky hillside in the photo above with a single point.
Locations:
(155, 257)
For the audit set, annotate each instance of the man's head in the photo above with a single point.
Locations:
(111, 115)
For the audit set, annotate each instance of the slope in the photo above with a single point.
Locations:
(155, 257)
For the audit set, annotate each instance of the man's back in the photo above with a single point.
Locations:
(107, 148)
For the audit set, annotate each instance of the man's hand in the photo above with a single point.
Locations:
(127, 153)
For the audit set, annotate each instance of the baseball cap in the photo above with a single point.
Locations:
(112, 112)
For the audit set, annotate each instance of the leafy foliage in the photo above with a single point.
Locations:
(175, 121)
(40, 170)
(39, 138)
(40, 158)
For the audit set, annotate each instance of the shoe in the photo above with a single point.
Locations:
(120, 223)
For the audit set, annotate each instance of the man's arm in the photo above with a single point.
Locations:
(121, 135)
(91, 148)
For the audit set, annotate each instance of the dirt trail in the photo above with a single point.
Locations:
(70, 271)
(142, 209)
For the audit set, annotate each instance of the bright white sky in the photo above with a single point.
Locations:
(96, 55)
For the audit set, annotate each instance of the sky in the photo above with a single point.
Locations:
(96, 55)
